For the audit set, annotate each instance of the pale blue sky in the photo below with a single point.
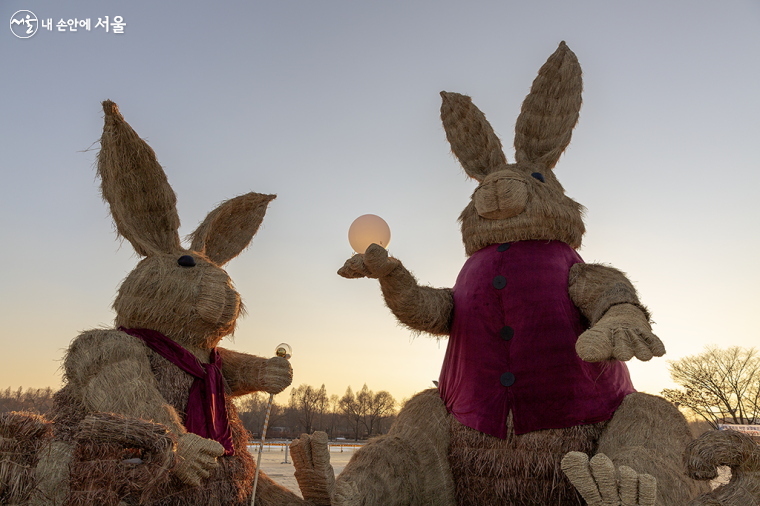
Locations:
(334, 106)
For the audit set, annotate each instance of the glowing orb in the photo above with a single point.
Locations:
(366, 230)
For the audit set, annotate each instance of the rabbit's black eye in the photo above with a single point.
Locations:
(186, 261)
(538, 176)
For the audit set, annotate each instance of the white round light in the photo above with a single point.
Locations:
(366, 230)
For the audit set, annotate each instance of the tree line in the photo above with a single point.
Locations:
(32, 400)
(355, 416)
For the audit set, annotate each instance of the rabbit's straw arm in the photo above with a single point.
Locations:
(112, 373)
(620, 324)
(421, 308)
(246, 373)
(595, 288)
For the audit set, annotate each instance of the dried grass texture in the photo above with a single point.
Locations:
(599, 482)
(314, 474)
(549, 215)
(726, 448)
(229, 484)
(620, 324)
(518, 470)
(135, 187)
(421, 308)
(109, 371)
(245, 373)
(100, 477)
(471, 136)
(105, 470)
(228, 229)
(550, 111)
(22, 436)
(407, 467)
(196, 307)
(594, 288)
(650, 435)
(53, 474)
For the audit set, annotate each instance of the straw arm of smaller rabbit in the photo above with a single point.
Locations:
(112, 373)
(246, 373)
(421, 308)
(619, 324)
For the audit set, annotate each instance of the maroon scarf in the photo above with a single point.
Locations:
(206, 413)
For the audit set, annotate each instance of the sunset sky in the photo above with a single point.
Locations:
(334, 106)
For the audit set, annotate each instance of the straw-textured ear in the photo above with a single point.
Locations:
(472, 139)
(550, 111)
(143, 205)
(228, 229)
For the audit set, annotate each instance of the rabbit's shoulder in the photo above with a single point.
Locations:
(96, 349)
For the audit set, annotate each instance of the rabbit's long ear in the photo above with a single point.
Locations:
(228, 229)
(472, 139)
(143, 205)
(550, 111)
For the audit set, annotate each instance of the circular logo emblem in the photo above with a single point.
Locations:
(24, 24)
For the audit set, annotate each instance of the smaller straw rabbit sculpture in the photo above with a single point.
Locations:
(534, 380)
(160, 370)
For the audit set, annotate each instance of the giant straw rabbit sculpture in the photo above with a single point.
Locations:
(156, 391)
(534, 380)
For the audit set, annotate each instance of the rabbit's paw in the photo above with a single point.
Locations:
(373, 263)
(622, 333)
(315, 475)
(197, 457)
(600, 485)
(275, 375)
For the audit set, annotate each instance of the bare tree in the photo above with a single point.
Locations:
(350, 408)
(252, 409)
(364, 402)
(333, 416)
(383, 408)
(718, 385)
(307, 404)
(373, 407)
(322, 407)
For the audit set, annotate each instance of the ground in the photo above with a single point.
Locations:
(273, 464)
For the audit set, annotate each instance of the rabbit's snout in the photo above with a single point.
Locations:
(501, 195)
(218, 303)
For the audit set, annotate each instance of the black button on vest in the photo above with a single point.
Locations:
(499, 282)
(503, 247)
(507, 333)
(507, 379)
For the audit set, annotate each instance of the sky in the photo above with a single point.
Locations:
(334, 106)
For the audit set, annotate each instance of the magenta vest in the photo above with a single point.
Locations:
(512, 345)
